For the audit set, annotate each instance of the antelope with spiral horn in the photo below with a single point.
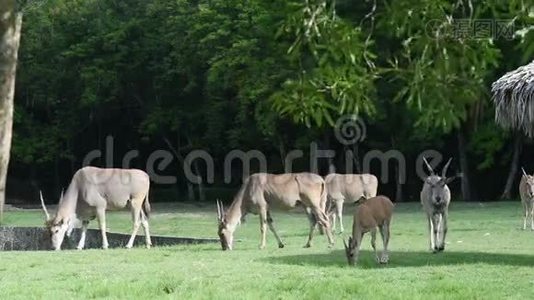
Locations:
(91, 192)
(526, 191)
(260, 192)
(435, 198)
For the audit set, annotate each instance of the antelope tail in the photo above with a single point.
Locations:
(146, 206)
(324, 197)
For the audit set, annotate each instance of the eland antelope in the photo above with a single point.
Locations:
(260, 192)
(526, 191)
(435, 199)
(91, 192)
(348, 188)
(370, 214)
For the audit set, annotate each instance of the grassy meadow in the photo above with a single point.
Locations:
(487, 257)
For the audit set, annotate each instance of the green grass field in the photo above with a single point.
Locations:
(487, 257)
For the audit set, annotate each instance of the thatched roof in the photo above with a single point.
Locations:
(513, 96)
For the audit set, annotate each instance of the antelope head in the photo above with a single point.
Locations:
(439, 192)
(529, 180)
(57, 226)
(351, 251)
(225, 232)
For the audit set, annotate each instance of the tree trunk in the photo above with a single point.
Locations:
(514, 166)
(180, 157)
(398, 192)
(398, 183)
(190, 191)
(464, 166)
(330, 167)
(355, 158)
(57, 181)
(201, 193)
(10, 23)
(283, 153)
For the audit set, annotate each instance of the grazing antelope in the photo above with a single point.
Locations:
(526, 190)
(91, 192)
(370, 214)
(435, 198)
(260, 192)
(348, 188)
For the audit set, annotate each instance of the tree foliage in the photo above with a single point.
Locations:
(270, 75)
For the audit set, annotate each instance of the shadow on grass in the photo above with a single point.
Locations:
(405, 259)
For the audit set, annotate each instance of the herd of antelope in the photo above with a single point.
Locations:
(93, 190)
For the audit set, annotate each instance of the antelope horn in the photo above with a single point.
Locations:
(444, 171)
(44, 206)
(428, 166)
(220, 210)
(524, 173)
(61, 196)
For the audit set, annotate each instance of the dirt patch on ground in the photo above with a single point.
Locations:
(38, 238)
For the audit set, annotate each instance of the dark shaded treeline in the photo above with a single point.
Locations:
(222, 75)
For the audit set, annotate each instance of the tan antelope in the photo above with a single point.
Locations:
(91, 192)
(260, 192)
(370, 214)
(526, 191)
(435, 198)
(348, 188)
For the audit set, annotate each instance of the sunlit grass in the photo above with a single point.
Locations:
(487, 257)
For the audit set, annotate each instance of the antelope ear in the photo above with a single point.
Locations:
(451, 179)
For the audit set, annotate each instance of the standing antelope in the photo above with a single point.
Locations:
(260, 192)
(348, 188)
(370, 214)
(91, 192)
(526, 190)
(435, 198)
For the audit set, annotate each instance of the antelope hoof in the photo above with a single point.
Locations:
(148, 246)
(79, 248)
(441, 248)
(435, 249)
(128, 246)
(261, 247)
(281, 245)
(308, 245)
(384, 259)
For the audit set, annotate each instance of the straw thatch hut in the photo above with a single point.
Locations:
(513, 96)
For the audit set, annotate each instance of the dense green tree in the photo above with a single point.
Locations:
(274, 76)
